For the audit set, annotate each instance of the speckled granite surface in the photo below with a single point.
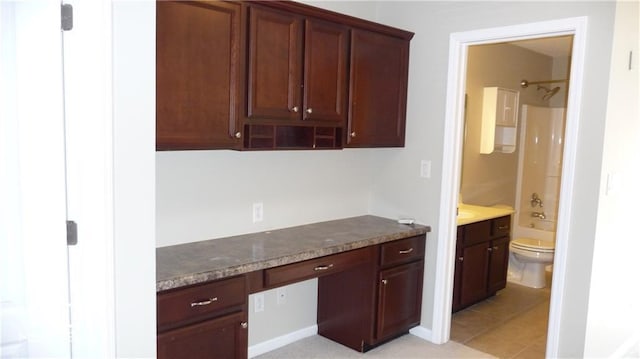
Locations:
(198, 262)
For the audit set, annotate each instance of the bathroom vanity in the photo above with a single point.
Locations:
(482, 255)
(369, 272)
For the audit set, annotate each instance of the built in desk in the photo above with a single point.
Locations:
(369, 272)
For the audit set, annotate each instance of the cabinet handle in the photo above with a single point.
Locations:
(238, 134)
(461, 259)
(495, 248)
(309, 110)
(204, 302)
(244, 325)
(322, 267)
(503, 227)
(384, 281)
(294, 109)
(490, 249)
(353, 134)
(405, 251)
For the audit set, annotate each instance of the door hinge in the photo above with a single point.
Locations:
(72, 233)
(66, 17)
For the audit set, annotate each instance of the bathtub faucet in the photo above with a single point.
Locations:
(536, 200)
(539, 215)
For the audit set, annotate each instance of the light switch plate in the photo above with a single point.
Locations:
(425, 169)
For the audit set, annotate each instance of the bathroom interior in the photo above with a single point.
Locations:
(512, 158)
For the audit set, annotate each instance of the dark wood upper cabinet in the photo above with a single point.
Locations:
(264, 75)
(286, 83)
(275, 65)
(198, 74)
(378, 90)
(325, 72)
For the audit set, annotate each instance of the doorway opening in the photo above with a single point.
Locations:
(452, 159)
(517, 90)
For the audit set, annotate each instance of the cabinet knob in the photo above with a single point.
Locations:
(490, 249)
(384, 281)
(244, 325)
(353, 134)
(495, 248)
(309, 110)
(461, 259)
(238, 134)
(294, 109)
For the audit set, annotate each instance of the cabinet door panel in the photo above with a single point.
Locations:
(499, 260)
(474, 273)
(378, 87)
(222, 338)
(399, 299)
(325, 72)
(457, 277)
(275, 65)
(197, 74)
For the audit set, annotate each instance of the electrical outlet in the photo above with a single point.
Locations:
(258, 302)
(258, 212)
(281, 293)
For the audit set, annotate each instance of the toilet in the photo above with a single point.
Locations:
(528, 258)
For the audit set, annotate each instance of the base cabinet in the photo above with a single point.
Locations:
(208, 320)
(222, 338)
(399, 299)
(482, 258)
(375, 302)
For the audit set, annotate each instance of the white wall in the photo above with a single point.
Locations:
(133, 177)
(433, 22)
(614, 296)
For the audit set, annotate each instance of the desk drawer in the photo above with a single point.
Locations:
(316, 267)
(402, 250)
(200, 301)
(501, 226)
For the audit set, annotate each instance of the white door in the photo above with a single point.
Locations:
(34, 290)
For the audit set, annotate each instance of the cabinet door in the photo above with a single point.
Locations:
(275, 65)
(474, 273)
(325, 72)
(223, 338)
(498, 262)
(378, 90)
(197, 75)
(399, 299)
(457, 276)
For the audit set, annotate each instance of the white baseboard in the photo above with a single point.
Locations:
(281, 341)
(422, 332)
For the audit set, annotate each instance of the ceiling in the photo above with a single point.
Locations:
(559, 46)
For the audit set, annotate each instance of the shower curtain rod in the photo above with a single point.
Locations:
(525, 83)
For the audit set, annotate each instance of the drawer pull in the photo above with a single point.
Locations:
(406, 251)
(503, 227)
(322, 267)
(204, 302)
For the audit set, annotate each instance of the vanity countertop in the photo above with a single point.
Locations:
(197, 262)
(468, 213)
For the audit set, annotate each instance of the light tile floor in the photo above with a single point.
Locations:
(512, 324)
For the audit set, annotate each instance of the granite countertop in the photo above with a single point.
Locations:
(468, 213)
(198, 262)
